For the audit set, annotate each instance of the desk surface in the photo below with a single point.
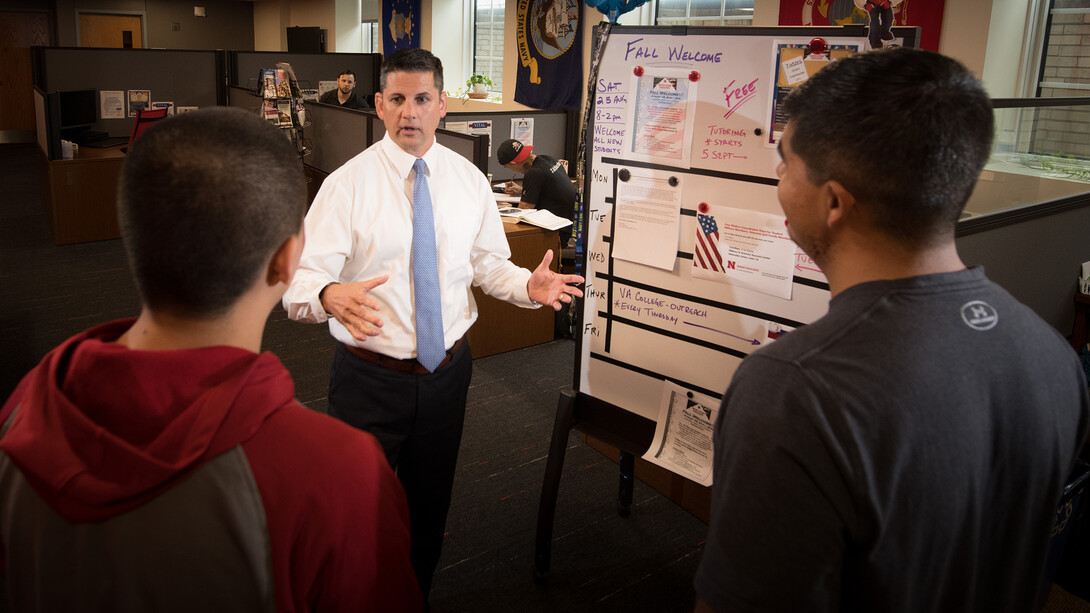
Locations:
(96, 153)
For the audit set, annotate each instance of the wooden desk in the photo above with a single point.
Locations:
(1080, 334)
(80, 195)
(502, 326)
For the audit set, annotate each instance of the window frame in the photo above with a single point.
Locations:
(495, 73)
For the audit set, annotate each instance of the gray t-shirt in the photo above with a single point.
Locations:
(904, 453)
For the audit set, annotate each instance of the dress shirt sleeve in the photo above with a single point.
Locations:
(491, 255)
(328, 234)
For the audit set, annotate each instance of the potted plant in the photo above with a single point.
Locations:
(477, 86)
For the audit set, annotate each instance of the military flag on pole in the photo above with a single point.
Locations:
(550, 69)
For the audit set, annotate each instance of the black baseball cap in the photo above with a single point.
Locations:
(512, 150)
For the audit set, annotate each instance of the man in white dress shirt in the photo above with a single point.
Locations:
(356, 272)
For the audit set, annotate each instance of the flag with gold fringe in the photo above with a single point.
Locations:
(550, 68)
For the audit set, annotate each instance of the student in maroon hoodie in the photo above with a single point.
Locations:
(162, 463)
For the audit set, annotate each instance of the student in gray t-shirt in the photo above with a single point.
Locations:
(905, 452)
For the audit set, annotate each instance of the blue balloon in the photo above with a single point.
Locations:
(614, 8)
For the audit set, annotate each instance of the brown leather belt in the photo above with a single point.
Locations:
(408, 366)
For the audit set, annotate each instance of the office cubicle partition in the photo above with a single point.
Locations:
(339, 134)
(185, 78)
(243, 98)
(47, 120)
(244, 67)
(555, 133)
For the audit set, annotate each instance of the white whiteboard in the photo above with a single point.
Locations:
(643, 324)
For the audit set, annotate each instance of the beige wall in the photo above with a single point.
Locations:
(766, 12)
(347, 34)
(339, 18)
(450, 48)
(1009, 34)
(268, 33)
(965, 25)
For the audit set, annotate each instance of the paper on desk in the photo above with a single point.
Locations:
(542, 218)
(683, 434)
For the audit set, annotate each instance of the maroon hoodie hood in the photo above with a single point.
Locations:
(100, 429)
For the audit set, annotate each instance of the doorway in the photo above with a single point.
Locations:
(19, 31)
(110, 30)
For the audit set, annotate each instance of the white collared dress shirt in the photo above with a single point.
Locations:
(360, 227)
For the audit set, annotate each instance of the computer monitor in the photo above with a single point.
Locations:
(78, 109)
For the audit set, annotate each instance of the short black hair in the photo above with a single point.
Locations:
(347, 71)
(906, 131)
(412, 59)
(205, 200)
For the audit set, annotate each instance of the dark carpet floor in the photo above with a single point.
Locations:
(600, 560)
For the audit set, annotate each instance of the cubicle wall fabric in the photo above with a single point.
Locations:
(310, 68)
(550, 69)
(185, 78)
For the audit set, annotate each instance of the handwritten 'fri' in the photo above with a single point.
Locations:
(737, 96)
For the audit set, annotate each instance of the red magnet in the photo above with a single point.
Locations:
(694, 76)
(702, 207)
(638, 71)
(818, 46)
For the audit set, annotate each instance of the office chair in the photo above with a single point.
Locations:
(144, 119)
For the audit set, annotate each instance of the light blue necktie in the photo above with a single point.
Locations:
(430, 348)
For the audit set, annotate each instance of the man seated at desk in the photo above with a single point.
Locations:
(345, 94)
(545, 185)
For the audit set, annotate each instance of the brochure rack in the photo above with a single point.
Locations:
(282, 104)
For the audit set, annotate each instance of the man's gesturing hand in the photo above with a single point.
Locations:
(354, 308)
(551, 289)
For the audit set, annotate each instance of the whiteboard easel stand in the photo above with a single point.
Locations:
(627, 431)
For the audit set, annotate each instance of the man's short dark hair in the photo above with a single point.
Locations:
(411, 60)
(205, 200)
(907, 132)
(347, 71)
